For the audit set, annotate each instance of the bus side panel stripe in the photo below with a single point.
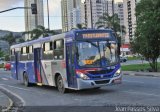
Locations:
(44, 78)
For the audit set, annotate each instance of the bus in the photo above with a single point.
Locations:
(78, 59)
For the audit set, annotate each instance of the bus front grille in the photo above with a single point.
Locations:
(102, 82)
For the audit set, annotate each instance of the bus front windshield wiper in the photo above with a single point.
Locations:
(92, 43)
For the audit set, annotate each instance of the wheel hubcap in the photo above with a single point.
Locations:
(60, 85)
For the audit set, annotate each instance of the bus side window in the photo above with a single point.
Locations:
(24, 54)
(47, 51)
(59, 49)
(12, 55)
(30, 53)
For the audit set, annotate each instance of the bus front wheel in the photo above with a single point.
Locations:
(26, 80)
(60, 84)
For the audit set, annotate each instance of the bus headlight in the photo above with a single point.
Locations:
(82, 76)
(118, 72)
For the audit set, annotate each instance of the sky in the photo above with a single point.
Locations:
(14, 20)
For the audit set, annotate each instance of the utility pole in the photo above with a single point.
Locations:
(48, 15)
(113, 13)
(91, 14)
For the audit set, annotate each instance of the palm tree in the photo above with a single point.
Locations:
(112, 22)
(80, 26)
(40, 31)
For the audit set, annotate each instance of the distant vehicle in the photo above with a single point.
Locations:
(123, 59)
(1, 61)
(7, 66)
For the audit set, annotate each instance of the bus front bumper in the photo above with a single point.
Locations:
(86, 84)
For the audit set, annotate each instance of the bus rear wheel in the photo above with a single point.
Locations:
(26, 80)
(60, 84)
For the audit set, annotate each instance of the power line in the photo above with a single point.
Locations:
(14, 9)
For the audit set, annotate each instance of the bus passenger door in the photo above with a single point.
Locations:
(16, 64)
(71, 76)
(37, 65)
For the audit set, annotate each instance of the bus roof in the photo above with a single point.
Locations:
(70, 34)
(40, 40)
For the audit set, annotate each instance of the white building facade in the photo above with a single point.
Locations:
(33, 20)
(129, 19)
(96, 8)
(88, 12)
(71, 14)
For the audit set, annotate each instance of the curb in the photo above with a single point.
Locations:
(10, 101)
(9, 107)
(15, 100)
(148, 74)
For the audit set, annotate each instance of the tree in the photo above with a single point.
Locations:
(147, 35)
(21, 40)
(80, 26)
(1, 53)
(40, 31)
(7, 58)
(112, 22)
(10, 38)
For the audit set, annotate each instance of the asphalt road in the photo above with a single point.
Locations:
(135, 90)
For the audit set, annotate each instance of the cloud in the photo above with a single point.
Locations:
(6, 4)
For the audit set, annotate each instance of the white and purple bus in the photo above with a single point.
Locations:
(79, 59)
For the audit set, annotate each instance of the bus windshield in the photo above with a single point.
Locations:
(96, 54)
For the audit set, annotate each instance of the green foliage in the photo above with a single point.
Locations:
(40, 31)
(137, 67)
(10, 38)
(147, 35)
(112, 22)
(21, 40)
(7, 58)
(1, 53)
(80, 26)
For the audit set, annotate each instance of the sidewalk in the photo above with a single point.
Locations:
(5, 102)
(151, 74)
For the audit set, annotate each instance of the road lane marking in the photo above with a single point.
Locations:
(141, 93)
(4, 79)
(15, 87)
(10, 77)
(21, 88)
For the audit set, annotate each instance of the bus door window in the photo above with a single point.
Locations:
(70, 53)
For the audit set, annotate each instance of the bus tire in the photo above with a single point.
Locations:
(60, 84)
(26, 80)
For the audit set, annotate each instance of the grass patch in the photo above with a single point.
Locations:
(1, 65)
(137, 67)
(134, 58)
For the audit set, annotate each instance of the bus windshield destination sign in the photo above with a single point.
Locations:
(95, 35)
